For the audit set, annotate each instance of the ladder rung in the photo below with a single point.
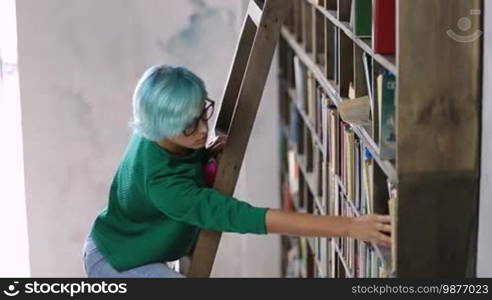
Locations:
(254, 12)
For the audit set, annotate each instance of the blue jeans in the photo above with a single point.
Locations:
(95, 265)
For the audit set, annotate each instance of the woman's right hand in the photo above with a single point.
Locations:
(371, 228)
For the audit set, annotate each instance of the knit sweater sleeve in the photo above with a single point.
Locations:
(183, 200)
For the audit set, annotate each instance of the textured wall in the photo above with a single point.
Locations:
(484, 263)
(14, 253)
(79, 63)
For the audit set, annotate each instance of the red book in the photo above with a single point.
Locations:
(287, 197)
(384, 35)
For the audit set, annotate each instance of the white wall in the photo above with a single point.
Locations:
(79, 62)
(14, 255)
(484, 263)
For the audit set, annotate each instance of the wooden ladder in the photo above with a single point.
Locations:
(242, 95)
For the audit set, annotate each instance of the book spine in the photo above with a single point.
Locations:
(362, 10)
(387, 136)
(384, 35)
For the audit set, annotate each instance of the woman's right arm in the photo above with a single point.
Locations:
(367, 228)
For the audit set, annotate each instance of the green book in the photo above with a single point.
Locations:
(362, 17)
(386, 101)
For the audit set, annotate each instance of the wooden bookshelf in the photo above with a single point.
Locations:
(334, 167)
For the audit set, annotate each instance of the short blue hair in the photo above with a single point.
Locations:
(165, 101)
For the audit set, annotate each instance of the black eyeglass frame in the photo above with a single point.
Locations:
(205, 115)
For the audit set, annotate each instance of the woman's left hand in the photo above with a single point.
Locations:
(217, 145)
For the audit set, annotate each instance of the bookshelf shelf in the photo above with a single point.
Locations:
(381, 121)
(309, 177)
(310, 182)
(388, 61)
(328, 85)
(383, 253)
(306, 119)
(330, 89)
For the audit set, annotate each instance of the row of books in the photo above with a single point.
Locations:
(309, 96)
(300, 258)
(347, 157)
(308, 172)
(376, 19)
(354, 169)
(338, 204)
(303, 147)
(312, 99)
(334, 258)
(360, 257)
(314, 105)
(360, 265)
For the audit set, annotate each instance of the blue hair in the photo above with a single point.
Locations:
(165, 101)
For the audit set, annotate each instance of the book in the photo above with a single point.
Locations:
(357, 174)
(300, 76)
(393, 211)
(325, 125)
(283, 147)
(310, 104)
(367, 62)
(304, 256)
(317, 164)
(333, 152)
(320, 100)
(374, 264)
(356, 111)
(309, 152)
(336, 54)
(330, 51)
(351, 92)
(386, 101)
(363, 201)
(350, 157)
(361, 18)
(294, 124)
(341, 156)
(323, 255)
(293, 173)
(384, 34)
(319, 177)
(367, 174)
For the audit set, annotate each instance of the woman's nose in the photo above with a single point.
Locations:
(203, 126)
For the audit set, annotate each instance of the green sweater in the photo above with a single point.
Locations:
(157, 203)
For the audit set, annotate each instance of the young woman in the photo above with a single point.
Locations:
(161, 193)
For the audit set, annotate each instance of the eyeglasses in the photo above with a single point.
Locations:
(205, 115)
